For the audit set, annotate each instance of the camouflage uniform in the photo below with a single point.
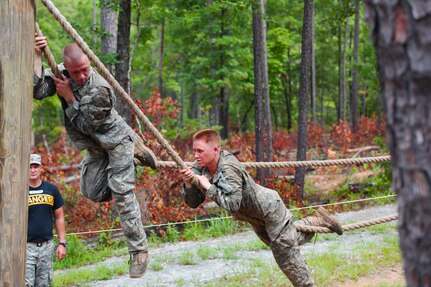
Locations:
(107, 168)
(40, 256)
(234, 190)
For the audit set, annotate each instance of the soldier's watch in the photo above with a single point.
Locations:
(64, 244)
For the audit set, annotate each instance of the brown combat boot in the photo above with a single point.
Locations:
(324, 219)
(143, 155)
(138, 264)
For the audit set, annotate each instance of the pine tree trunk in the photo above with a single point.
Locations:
(122, 66)
(258, 87)
(304, 92)
(400, 32)
(224, 91)
(161, 55)
(108, 22)
(313, 74)
(340, 75)
(355, 78)
(344, 70)
(265, 89)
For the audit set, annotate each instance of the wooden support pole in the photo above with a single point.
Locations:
(16, 89)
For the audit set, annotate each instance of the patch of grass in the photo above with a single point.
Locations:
(194, 231)
(154, 239)
(181, 282)
(78, 254)
(222, 227)
(255, 245)
(187, 258)
(156, 265)
(172, 234)
(338, 266)
(230, 252)
(206, 253)
(79, 277)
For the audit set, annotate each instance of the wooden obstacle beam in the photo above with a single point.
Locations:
(16, 90)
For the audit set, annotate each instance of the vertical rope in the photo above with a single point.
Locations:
(48, 55)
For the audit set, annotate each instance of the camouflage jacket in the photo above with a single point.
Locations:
(235, 190)
(93, 120)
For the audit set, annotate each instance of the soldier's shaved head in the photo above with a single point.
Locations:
(73, 54)
(76, 63)
(209, 136)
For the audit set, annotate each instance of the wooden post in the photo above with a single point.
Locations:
(16, 89)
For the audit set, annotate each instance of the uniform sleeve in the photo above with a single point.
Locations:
(44, 86)
(193, 197)
(91, 111)
(226, 189)
(58, 199)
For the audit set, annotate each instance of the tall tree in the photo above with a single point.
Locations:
(344, 69)
(224, 90)
(259, 88)
(340, 74)
(108, 23)
(122, 65)
(400, 31)
(313, 72)
(161, 55)
(304, 92)
(265, 84)
(354, 94)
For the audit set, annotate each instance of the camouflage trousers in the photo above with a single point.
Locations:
(39, 265)
(285, 249)
(110, 174)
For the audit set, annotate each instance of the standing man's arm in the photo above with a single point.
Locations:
(61, 231)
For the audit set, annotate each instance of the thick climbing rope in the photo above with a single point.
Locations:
(48, 55)
(309, 163)
(349, 227)
(303, 228)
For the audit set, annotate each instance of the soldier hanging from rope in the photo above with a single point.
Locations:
(112, 147)
(225, 180)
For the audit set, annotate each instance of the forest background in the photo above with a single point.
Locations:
(192, 65)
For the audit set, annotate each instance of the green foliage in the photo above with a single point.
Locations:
(221, 227)
(172, 234)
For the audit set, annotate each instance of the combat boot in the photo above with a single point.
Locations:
(143, 155)
(138, 264)
(324, 219)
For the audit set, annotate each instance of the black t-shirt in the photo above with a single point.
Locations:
(42, 201)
